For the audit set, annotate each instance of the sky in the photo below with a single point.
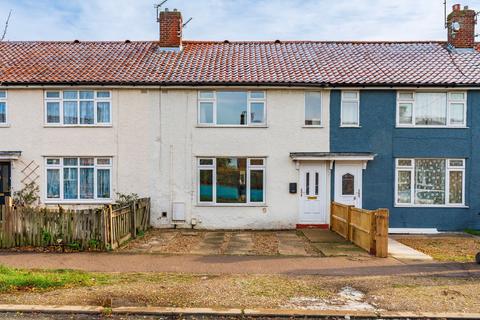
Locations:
(394, 20)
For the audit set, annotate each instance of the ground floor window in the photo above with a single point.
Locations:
(80, 179)
(430, 182)
(231, 180)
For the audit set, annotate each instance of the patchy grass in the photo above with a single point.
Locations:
(473, 232)
(31, 280)
(444, 248)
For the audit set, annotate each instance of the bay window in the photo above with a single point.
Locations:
(78, 179)
(231, 180)
(431, 109)
(430, 182)
(78, 107)
(3, 107)
(231, 108)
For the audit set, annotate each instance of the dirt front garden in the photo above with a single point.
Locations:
(390, 293)
(461, 247)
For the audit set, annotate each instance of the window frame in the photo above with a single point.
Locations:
(213, 168)
(357, 101)
(61, 166)
(305, 110)
(250, 101)
(4, 100)
(411, 168)
(61, 100)
(449, 100)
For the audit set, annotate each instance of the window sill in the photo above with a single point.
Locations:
(432, 206)
(79, 202)
(77, 126)
(4, 125)
(230, 126)
(430, 127)
(313, 127)
(352, 126)
(235, 205)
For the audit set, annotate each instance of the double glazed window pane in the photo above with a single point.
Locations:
(313, 108)
(70, 112)
(431, 109)
(231, 107)
(231, 180)
(86, 112)
(405, 113)
(430, 181)
(206, 185)
(53, 112)
(3, 112)
(349, 113)
(457, 114)
(103, 112)
(86, 183)
(103, 183)
(53, 183)
(257, 112)
(256, 185)
(70, 183)
(404, 187)
(206, 112)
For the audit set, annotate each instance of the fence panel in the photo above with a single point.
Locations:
(366, 228)
(99, 228)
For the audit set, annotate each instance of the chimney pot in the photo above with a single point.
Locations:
(456, 7)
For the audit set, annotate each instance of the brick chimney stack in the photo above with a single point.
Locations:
(170, 29)
(461, 27)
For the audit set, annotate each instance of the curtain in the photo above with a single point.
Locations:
(70, 112)
(430, 181)
(86, 112)
(349, 113)
(103, 112)
(103, 183)
(431, 108)
(53, 183)
(53, 112)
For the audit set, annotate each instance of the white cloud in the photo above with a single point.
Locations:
(230, 19)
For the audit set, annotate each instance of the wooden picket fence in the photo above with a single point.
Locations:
(89, 229)
(368, 229)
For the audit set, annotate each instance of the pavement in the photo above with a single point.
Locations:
(403, 252)
(221, 264)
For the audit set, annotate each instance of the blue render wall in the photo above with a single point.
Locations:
(377, 133)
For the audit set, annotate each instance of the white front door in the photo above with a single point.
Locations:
(348, 183)
(313, 195)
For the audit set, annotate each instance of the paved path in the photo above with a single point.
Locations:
(111, 262)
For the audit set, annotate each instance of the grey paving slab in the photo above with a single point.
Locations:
(290, 244)
(400, 251)
(339, 249)
(210, 244)
(321, 235)
(240, 244)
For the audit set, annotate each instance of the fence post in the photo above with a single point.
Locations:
(373, 233)
(349, 223)
(331, 214)
(381, 224)
(110, 224)
(133, 212)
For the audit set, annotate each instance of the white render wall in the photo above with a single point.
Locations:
(154, 141)
(132, 140)
(182, 141)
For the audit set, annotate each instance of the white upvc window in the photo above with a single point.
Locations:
(78, 179)
(432, 109)
(78, 108)
(430, 182)
(232, 108)
(313, 109)
(231, 181)
(350, 109)
(3, 108)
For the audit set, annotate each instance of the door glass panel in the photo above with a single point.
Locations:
(316, 183)
(348, 183)
(3, 177)
(307, 183)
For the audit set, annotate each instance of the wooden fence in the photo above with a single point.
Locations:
(368, 229)
(89, 229)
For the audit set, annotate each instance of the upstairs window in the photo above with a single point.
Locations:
(78, 108)
(313, 109)
(231, 108)
(431, 109)
(3, 107)
(350, 113)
